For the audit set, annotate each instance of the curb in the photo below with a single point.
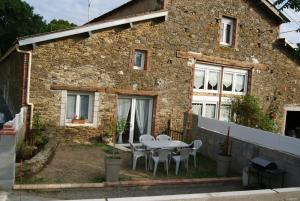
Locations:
(126, 183)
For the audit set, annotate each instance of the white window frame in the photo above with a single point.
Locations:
(77, 107)
(207, 69)
(224, 104)
(143, 60)
(236, 72)
(204, 103)
(227, 21)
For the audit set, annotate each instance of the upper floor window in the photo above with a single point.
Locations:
(208, 79)
(140, 59)
(235, 81)
(227, 31)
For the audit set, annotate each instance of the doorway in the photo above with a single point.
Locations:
(137, 111)
(292, 124)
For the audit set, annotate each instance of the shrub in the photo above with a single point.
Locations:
(246, 111)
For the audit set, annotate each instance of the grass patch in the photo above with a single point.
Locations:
(33, 180)
(106, 148)
(124, 177)
(98, 179)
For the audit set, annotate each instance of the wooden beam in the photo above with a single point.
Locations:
(104, 90)
(220, 61)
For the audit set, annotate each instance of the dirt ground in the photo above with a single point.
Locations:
(85, 164)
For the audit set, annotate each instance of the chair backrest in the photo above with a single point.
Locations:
(163, 154)
(197, 144)
(144, 138)
(163, 137)
(185, 153)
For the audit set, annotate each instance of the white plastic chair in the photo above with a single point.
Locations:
(161, 156)
(163, 137)
(136, 154)
(197, 144)
(144, 138)
(183, 156)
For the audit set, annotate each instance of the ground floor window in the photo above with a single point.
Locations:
(79, 106)
(211, 109)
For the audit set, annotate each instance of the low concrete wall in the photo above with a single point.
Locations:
(243, 152)
(7, 161)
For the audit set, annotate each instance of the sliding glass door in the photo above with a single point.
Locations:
(138, 113)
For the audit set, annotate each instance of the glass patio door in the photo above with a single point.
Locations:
(138, 112)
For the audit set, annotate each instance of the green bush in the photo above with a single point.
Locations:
(246, 111)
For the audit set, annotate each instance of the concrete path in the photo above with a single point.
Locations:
(289, 194)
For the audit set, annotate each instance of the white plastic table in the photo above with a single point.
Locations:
(164, 144)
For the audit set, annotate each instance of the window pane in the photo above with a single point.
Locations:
(225, 112)
(210, 111)
(228, 33)
(240, 83)
(213, 80)
(71, 106)
(197, 108)
(199, 79)
(139, 59)
(84, 106)
(227, 81)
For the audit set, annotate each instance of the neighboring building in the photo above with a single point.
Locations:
(150, 61)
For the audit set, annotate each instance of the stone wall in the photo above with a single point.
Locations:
(243, 152)
(102, 61)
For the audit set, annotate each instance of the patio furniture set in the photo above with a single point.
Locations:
(163, 149)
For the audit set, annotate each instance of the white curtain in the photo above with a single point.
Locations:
(239, 83)
(199, 79)
(71, 106)
(123, 108)
(210, 111)
(142, 113)
(213, 78)
(227, 80)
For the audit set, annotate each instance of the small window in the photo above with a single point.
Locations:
(225, 111)
(213, 80)
(235, 81)
(228, 82)
(240, 83)
(197, 109)
(79, 106)
(227, 28)
(140, 59)
(210, 111)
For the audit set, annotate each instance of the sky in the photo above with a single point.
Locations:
(76, 11)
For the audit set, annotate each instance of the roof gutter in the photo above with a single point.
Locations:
(28, 82)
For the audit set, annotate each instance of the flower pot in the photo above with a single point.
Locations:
(223, 165)
(112, 168)
(78, 121)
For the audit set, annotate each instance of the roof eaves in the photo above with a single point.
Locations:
(275, 11)
(90, 27)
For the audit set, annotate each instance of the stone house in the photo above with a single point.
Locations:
(149, 62)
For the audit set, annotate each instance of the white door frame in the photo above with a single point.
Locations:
(133, 110)
(288, 108)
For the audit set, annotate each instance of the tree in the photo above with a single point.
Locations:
(292, 4)
(17, 19)
(245, 110)
(58, 25)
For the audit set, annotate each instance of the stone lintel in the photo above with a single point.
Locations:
(104, 90)
(220, 61)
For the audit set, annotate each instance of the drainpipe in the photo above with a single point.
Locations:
(28, 83)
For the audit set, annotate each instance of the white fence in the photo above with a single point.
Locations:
(262, 138)
(19, 123)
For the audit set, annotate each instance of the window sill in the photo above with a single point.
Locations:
(80, 125)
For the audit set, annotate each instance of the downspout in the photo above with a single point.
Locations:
(28, 83)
